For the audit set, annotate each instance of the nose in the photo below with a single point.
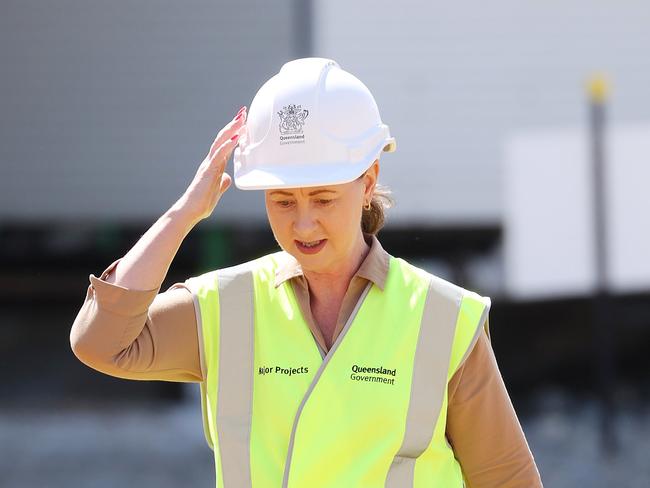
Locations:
(305, 224)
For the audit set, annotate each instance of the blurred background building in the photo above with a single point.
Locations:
(108, 108)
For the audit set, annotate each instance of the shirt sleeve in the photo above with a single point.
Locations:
(137, 334)
(482, 426)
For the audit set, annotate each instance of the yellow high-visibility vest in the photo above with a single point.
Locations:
(371, 412)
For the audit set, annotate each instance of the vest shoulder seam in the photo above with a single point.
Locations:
(445, 282)
(236, 269)
(433, 278)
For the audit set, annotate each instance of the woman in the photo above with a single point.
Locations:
(331, 362)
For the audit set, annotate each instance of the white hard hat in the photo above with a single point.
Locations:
(312, 124)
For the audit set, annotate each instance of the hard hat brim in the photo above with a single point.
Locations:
(273, 178)
(298, 177)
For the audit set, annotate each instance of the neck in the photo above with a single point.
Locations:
(332, 285)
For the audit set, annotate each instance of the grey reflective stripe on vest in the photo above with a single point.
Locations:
(234, 397)
(430, 369)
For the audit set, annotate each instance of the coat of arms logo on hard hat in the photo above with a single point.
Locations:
(292, 118)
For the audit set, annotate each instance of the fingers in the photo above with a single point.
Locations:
(233, 127)
(223, 152)
(226, 181)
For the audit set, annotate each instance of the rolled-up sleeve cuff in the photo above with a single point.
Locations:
(118, 299)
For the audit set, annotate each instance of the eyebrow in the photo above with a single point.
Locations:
(316, 192)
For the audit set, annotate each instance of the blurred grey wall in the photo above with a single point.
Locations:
(452, 79)
(107, 108)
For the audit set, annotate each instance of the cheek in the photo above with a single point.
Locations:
(280, 224)
(343, 224)
(273, 221)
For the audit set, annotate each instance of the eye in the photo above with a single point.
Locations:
(284, 203)
(324, 201)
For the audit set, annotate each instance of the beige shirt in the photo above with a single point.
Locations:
(146, 335)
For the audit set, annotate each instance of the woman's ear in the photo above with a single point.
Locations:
(370, 179)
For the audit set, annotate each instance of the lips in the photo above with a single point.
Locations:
(310, 243)
(311, 247)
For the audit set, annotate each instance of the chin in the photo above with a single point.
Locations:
(316, 264)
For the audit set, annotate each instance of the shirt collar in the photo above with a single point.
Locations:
(374, 267)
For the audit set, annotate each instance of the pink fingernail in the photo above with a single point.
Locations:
(234, 138)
